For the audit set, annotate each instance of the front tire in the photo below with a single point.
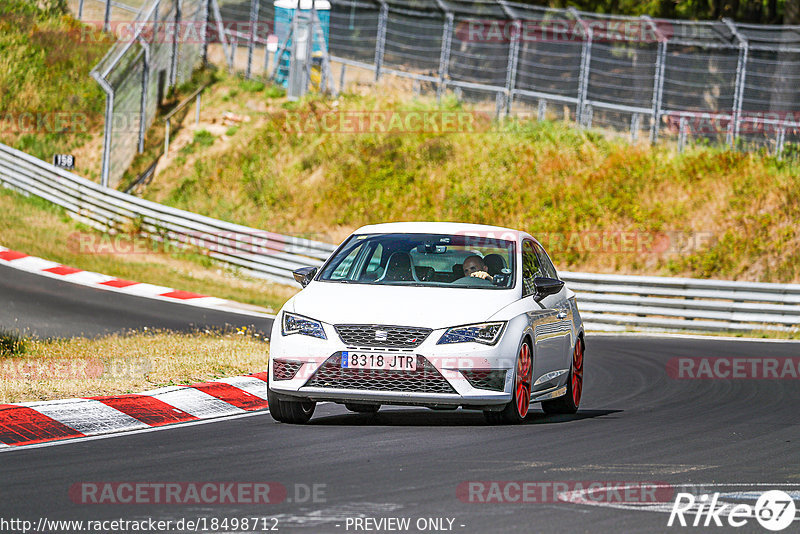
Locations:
(293, 412)
(515, 411)
(568, 404)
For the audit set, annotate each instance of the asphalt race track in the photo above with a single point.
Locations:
(46, 307)
(635, 424)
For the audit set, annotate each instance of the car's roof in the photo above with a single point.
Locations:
(439, 228)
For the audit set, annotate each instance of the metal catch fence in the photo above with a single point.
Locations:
(714, 81)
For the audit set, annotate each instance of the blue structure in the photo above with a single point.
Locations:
(284, 13)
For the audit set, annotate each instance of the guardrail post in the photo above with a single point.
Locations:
(444, 56)
(173, 64)
(254, 7)
(741, 73)
(658, 79)
(541, 110)
(380, 41)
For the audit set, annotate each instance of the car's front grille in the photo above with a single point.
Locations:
(426, 378)
(494, 380)
(375, 335)
(284, 370)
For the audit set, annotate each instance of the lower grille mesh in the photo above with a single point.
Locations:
(494, 380)
(284, 370)
(426, 379)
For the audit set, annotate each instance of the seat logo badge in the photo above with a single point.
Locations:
(381, 335)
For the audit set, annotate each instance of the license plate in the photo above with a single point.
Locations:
(373, 360)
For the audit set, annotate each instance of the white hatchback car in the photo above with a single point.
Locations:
(443, 315)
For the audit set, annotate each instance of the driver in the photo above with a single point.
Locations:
(475, 266)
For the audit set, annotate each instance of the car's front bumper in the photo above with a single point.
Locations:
(448, 361)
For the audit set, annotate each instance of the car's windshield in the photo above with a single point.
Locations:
(424, 260)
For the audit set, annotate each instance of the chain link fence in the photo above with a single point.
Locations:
(713, 81)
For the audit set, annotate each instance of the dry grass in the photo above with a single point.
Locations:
(35, 227)
(117, 364)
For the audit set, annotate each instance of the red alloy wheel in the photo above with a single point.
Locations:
(523, 382)
(577, 372)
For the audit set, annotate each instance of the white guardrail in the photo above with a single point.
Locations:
(607, 302)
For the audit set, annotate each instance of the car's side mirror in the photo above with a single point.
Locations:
(304, 275)
(546, 286)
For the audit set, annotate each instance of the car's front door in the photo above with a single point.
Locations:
(548, 345)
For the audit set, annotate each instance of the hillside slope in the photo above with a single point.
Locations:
(597, 202)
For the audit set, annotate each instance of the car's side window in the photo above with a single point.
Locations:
(343, 270)
(547, 266)
(530, 268)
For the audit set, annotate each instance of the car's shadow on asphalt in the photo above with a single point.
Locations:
(424, 417)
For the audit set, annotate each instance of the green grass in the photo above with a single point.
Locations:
(708, 212)
(24, 220)
(45, 59)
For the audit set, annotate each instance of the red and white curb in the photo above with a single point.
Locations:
(32, 264)
(39, 422)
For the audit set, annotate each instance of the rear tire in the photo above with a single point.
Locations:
(568, 404)
(362, 408)
(293, 412)
(515, 411)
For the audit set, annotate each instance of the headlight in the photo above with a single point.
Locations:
(486, 333)
(297, 324)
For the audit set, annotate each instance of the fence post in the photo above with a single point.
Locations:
(444, 56)
(779, 141)
(221, 32)
(107, 16)
(107, 127)
(586, 60)
(513, 54)
(80, 10)
(658, 79)
(206, 20)
(254, 7)
(741, 72)
(635, 124)
(173, 64)
(380, 42)
(145, 84)
(682, 126)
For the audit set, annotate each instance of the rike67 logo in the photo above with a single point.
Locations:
(774, 510)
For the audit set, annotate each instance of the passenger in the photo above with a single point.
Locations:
(475, 267)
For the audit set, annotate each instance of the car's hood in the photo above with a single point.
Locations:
(432, 307)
